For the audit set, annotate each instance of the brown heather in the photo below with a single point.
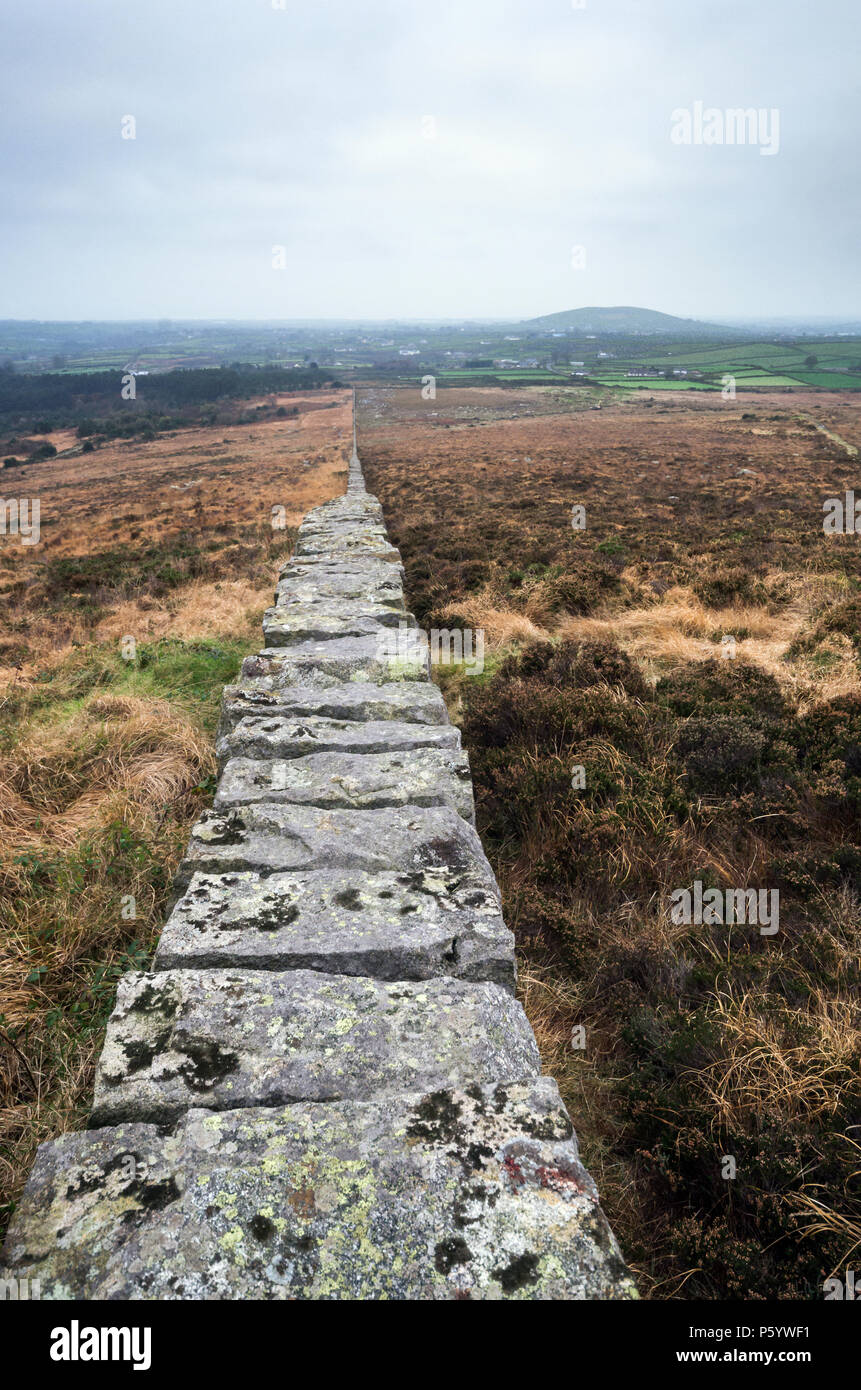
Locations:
(603, 649)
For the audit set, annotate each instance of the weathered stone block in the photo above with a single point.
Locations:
(272, 839)
(335, 589)
(358, 513)
(274, 737)
(409, 702)
(343, 659)
(388, 925)
(347, 545)
(323, 560)
(420, 777)
(224, 1039)
(339, 528)
(367, 572)
(345, 506)
(291, 624)
(474, 1194)
(348, 507)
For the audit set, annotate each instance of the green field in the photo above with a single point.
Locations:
(622, 383)
(447, 352)
(463, 376)
(755, 366)
(832, 381)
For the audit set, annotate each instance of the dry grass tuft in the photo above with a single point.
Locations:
(117, 760)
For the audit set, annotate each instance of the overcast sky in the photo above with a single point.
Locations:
(424, 158)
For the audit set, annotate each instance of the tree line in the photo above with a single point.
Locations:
(59, 400)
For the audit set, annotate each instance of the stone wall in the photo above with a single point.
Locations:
(325, 1087)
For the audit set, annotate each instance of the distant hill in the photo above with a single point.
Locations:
(625, 319)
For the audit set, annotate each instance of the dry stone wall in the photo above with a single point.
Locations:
(325, 1087)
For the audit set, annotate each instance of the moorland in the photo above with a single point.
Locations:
(696, 649)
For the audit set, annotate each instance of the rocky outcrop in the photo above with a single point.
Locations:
(325, 1087)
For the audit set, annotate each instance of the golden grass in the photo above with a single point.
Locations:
(117, 759)
(767, 1072)
(816, 1216)
(679, 628)
(198, 609)
(502, 627)
(201, 484)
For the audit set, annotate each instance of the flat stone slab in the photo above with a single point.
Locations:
(281, 839)
(409, 702)
(420, 777)
(274, 737)
(339, 537)
(342, 659)
(448, 1195)
(387, 925)
(323, 565)
(358, 512)
(324, 568)
(290, 624)
(348, 507)
(348, 544)
(342, 507)
(362, 511)
(338, 528)
(338, 588)
(223, 1040)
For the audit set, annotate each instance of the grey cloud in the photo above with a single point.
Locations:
(303, 127)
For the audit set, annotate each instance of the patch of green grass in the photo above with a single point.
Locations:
(190, 674)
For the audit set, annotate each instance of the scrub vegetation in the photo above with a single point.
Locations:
(695, 649)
